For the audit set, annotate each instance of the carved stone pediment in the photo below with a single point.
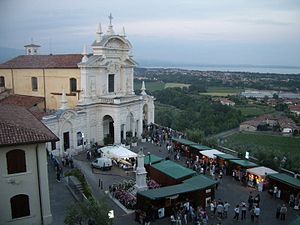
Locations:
(113, 67)
(117, 44)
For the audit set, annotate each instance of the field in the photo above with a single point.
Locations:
(278, 145)
(150, 85)
(222, 91)
(158, 85)
(172, 85)
(254, 110)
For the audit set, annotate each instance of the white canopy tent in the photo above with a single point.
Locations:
(261, 171)
(116, 152)
(211, 153)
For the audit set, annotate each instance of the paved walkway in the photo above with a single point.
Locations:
(60, 197)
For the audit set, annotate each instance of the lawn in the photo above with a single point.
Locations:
(254, 110)
(172, 85)
(222, 91)
(269, 150)
(158, 85)
(267, 143)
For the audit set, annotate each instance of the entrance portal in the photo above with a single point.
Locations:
(108, 130)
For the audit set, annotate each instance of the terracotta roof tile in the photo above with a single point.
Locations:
(19, 126)
(22, 100)
(43, 61)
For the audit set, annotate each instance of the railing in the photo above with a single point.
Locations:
(119, 100)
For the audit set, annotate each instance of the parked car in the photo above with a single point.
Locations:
(103, 163)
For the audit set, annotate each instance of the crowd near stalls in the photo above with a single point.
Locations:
(223, 161)
(238, 169)
(122, 157)
(195, 191)
(242, 170)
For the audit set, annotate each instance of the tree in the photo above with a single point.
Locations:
(275, 96)
(88, 212)
(195, 135)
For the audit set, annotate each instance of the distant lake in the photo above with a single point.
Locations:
(239, 68)
(263, 93)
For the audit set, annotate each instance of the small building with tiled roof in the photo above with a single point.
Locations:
(295, 109)
(23, 165)
(285, 124)
(226, 101)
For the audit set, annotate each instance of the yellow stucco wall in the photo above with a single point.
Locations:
(55, 81)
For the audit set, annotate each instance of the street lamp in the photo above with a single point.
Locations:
(82, 139)
(111, 216)
(149, 155)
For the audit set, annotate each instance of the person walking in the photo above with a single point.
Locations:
(257, 212)
(220, 210)
(236, 212)
(226, 208)
(283, 211)
(243, 209)
(212, 208)
(252, 214)
(278, 211)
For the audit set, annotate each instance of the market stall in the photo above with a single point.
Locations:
(223, 161)
(198, 190)
(257, 177)
(195, 150)
(183, 145)
(169, 173)
(287, 185)
(209, 155)
(123, 157)
(238, 167)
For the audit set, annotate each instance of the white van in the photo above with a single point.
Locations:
(103, 163)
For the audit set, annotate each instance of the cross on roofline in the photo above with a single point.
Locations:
(110, 18)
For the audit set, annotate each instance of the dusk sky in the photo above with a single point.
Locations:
(257, 32)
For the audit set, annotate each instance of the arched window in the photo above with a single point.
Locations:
(73, 85)
(16, 161)
(19, 206)
(2, 81)
(34, 83)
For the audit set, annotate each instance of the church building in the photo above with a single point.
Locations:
(108, 110)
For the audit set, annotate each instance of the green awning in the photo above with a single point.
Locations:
(183, 141)
(226, 156)
(173, 169)
(153, 158)
(201, 181)
(294, 182)
(193, 184)
(243, 163)
(200, 147)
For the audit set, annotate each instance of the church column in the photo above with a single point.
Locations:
(117, 132)
(140, 128)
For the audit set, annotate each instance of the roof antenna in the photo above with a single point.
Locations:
(50, 45)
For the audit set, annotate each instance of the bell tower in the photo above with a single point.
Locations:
(31, 49)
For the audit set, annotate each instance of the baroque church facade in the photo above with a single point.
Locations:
(108, 107)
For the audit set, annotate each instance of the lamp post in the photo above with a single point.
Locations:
(111, 216)
(82, 139)
(149, 155)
